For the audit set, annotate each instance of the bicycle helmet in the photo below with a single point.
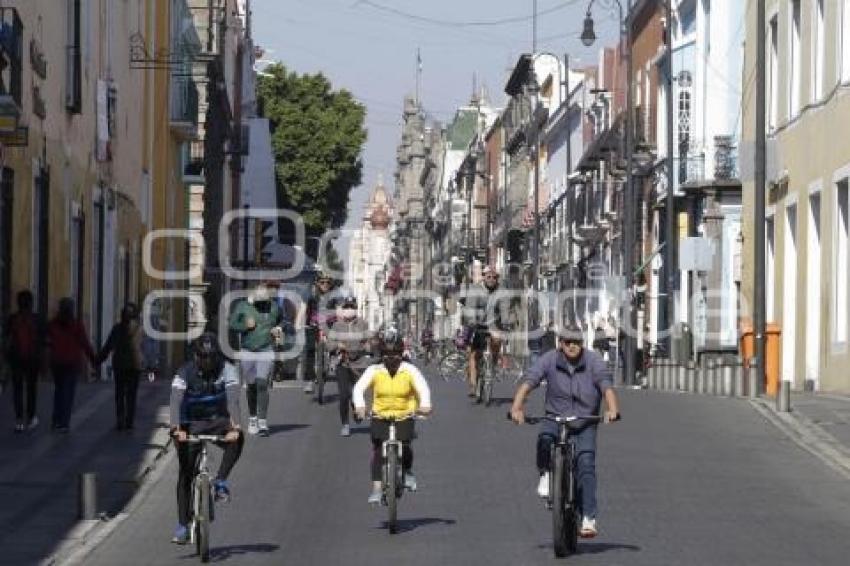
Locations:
(391, 341)
(207, 353)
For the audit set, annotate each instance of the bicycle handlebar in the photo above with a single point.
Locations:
(196, 438)
(412, 416)
(561, 419)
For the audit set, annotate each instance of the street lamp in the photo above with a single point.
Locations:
(588, 37)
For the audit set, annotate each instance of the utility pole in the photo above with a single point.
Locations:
(670, 220)
(758, 236)
(630, 232)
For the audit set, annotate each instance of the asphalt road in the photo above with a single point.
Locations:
(683, 480)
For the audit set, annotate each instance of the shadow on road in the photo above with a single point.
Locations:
(407, 525)
(598, 547)
(277, 429)
(223, 553)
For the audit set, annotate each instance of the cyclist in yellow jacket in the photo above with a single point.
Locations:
(399, 391)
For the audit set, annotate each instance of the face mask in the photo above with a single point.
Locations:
(349, 313)
(392, 362)
(261, 295)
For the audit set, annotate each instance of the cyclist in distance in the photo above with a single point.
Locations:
(577, 381)
(483, 316)
(204, 400)
(399, 391)
(320, 316)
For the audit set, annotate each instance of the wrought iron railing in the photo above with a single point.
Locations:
(184, 101)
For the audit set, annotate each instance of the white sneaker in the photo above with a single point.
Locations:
(588, 528)
(308, 388)
(263, 427)
(346, 430)
(409, 481)
(543, 486)
(33, 424)
(375, 497)
(252, 425)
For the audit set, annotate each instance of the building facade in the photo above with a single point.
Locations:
(808, 100)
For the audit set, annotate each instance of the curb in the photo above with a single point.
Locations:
(87, 535)
(808, 436)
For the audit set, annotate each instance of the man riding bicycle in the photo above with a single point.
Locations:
(320, 316)
(483, 321)
(399, 390)
(577, 380)
(204, 400)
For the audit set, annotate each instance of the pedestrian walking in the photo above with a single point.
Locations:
(125, 345)
(257, 320)
(349, 338)
(70, 349)
(24, 344)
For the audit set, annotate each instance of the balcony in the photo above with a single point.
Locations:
(193, 162)
(184, 108)
(11, 54)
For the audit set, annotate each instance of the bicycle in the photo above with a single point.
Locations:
(392, 476)
(562, 482)
(485, 378)
(453, 364)
(320, 367)
(203, 508)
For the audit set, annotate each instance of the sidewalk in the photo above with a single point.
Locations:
(818, 423)
(39, 470)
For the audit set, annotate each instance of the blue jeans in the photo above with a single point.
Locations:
(585, 440)
(65, 379)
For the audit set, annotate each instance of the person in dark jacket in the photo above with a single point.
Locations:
(24, 342)
(125, 345)
(70, 349)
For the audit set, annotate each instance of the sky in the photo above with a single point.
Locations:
(369, 47)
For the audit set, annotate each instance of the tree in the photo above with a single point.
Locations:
(318, 136)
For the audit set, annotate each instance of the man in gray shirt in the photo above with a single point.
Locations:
(349, 337)
(577, 380)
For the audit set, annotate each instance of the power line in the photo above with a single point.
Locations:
(461, 24)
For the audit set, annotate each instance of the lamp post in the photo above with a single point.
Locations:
(588, 37)
(669, 280)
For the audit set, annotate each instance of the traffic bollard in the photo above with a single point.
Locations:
(783, 398)
(738, 377)
(681, 377)
(729, 380)
(87, 496)
(691, 377)
(752, 382)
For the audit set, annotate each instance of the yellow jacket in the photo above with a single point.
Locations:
(393, 396)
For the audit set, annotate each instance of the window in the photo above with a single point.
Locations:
(773, 78)
(77, 255)
(687, 17)
(7, 187)
(73, 75)
(40, 234)
(794, 60)
(819, 47)
(840, 250)
(844, 37)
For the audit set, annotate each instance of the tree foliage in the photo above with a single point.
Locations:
(318, 136)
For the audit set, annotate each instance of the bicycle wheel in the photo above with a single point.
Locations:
(391, 488)
(559, 522)
(320, 373)
(450, 365)
(202, 518)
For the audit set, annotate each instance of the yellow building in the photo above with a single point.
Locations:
(94, 136)
(808, 171)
